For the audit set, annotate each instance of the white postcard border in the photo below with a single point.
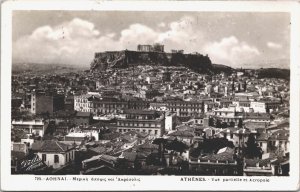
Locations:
(31, 182)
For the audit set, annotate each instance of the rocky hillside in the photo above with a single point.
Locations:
(123, 59)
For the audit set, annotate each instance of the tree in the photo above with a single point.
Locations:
(231, 124)
(211, 146)
(177, 146)
(252, 150)
(224, 125)
(211, 122)
(267, 109)
(161, 142)
(240, 124)
(153, 159)
(218, 123)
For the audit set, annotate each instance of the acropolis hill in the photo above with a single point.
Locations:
(150, 55)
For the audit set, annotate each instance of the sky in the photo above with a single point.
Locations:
(236, 39)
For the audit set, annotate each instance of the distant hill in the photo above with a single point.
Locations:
(44, 68)
(273, 73)
(218, 68)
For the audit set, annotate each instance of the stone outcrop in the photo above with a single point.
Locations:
(126, 58)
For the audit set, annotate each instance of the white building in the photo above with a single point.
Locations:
(170, 122)
(55, 154)
(82, 103)
(89, 134)
(258, 107)
(37, 126)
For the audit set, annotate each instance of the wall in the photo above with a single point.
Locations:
(259, 107)
(169, 122)
(63, 160)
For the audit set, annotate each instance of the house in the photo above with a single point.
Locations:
(279, 140)
(100, 164)
(130, 158)
(107, 137)
(239, 137)
(129, 141)
(170, 121)
(77, 137)
(42, 102)
(259, 167)
(82, 118)
(53, 153)
(254, 125)
(262, 140)
(98, 150)
(222, 163)
(36, 127)
(19, 152)
(185, 136)
(148, 121)
(141, 137)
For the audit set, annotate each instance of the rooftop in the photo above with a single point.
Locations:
(51, 146)
(140, 112)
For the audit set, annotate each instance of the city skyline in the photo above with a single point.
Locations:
(72, 37)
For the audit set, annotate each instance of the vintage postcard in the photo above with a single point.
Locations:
(150, 95)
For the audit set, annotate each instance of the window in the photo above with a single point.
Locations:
(67, 156)
(56, 159)
(155, 132)
(43, 157)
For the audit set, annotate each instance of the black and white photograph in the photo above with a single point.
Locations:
(192, 95)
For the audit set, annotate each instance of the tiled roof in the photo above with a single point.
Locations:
(140, 112)
(98, 149)
(130, 156)
(229, 130)
(138, 134)
(142, 154)
(262, 137)
(128, 138)
(110, 136)
(184, 133)
(82, 114)
(225, 156)
(242, 131)
(147, 146)
(108, 158)
(257, 115)
(52, 146)
(36, 145)
(255, 125)
(183, 119)
(280, 135)
(253, 162)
